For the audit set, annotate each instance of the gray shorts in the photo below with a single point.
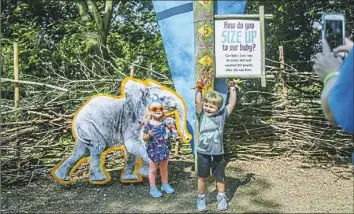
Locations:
(214, 162)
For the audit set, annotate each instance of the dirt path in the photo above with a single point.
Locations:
(276, 186)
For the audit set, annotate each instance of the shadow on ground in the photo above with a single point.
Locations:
(246, 192)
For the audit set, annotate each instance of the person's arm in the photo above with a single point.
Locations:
(337, 94)
(232, 100)
(198, 101)
(341, 95)
(324, 100)
(325, 66)
(147, 134)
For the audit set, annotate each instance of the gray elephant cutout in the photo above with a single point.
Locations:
(106, 121)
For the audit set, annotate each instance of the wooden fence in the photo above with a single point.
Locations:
(283, 119)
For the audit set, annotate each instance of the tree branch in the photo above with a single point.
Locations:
(33, 83)
(83, 11)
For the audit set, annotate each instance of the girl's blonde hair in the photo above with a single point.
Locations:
(214, 98)
(148, 115)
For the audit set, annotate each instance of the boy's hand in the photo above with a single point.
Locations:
(202, 81)
(233, 83)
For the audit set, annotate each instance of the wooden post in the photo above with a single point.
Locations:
(131, 71)
(282, 75)
(177, 147)
(204, 52)
(262, 23)
(204, 41)
(284, 89)
(16, 75)
(17, 100)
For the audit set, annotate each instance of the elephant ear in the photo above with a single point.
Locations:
(136, 95)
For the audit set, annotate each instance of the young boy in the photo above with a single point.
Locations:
(210, 150)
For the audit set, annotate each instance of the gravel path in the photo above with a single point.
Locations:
(277, 186)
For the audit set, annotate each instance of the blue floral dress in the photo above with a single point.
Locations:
(157, 147)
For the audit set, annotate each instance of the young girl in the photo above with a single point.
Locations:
(157, 137)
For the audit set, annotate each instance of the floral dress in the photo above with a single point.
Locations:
(157, 147)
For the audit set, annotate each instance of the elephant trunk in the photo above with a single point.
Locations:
(181, 121)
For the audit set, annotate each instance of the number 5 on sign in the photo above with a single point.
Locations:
(205, 2)
(205, 30)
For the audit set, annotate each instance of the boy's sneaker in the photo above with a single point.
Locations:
(167, 188)
(154, 192)
(201, 205)
(222, 202)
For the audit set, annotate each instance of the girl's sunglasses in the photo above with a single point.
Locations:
(156, 108)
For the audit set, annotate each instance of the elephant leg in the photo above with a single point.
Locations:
(129, 167)
(134, 146)
(79, 152)
(96, 144)
(144, 170)
(96, 173)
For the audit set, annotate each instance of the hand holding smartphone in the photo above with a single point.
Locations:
(334, 30)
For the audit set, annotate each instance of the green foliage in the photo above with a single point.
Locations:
(292, 27)
(54, 40)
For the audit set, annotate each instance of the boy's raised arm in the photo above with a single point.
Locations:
(232, 100)
(198, 101)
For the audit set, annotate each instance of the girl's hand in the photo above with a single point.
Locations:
(151, 133)
(142, 121)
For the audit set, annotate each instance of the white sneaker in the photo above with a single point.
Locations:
(201, 205)
(222, 202)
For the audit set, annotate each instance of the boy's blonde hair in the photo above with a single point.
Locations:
(214, 98)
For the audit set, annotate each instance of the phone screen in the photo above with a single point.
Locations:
(334, 33)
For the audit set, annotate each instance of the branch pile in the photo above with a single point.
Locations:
(284, 119)
(37, 135)
(266, 122)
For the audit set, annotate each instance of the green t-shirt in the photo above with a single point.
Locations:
(211, 133)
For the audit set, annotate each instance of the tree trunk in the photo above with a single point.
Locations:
(89, 12)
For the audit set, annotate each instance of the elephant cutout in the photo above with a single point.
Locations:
(105, 123)
(102, 163)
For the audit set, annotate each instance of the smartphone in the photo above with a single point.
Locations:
(333, 29)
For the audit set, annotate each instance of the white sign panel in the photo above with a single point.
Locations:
(238, 48)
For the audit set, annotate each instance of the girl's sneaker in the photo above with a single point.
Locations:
(167, 188)
(154, 192)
